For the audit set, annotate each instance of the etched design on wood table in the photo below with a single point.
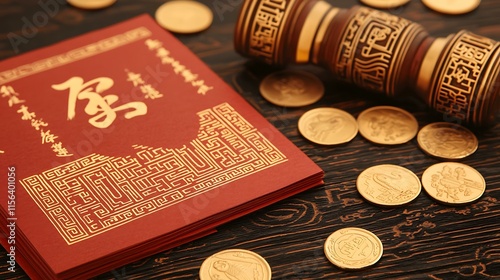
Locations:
(97, 193)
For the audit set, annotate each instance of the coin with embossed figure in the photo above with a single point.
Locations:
(235, 264)
(388, 185)
(91, 4)
(291, 88)
(353, 248)
(452, 7)
(447, 140)
(384, 4)
(184, 16)
(453, 183)
(387, 125)
(328, 126)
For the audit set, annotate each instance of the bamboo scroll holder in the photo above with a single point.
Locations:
(458, 76)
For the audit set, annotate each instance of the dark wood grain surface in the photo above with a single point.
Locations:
(422, 240)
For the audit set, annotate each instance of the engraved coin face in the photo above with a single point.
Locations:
(91, 4)
(183, 16)
(328, 126)
(447, 140)
(388, 185)
(291, 88)
(452, 7)
(353, 248)
(453, 183)
(384, 4)
(235, 264)
(387, 125)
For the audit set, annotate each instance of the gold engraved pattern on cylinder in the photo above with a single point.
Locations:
(447, 140)
(387, 125)
(235, 264)
(460, 75)
(266, 28)
(373, 48)
(353, 248)
(453, 183)
(388, 185)
(328, 126)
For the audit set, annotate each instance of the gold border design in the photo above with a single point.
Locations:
(98, 193)
(74, 55)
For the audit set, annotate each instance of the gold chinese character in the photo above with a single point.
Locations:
(188, 76)
(37, 123)
(8, 91)
(26, 114)
(136, 79)
(153, 44)
(98, 106)
(162, 52)
(178, 68)
(47, 137)
(60, 150)
(202, 88)
(150, 92)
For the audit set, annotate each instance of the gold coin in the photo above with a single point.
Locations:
(387, 125)
(91, 4)
(452, 7)
(328, 126)
(385, 4)
(184, 16)
(291, 88)
(388, 185)
(235, 264)
(453, 183)
(447, 141)
(353, 248)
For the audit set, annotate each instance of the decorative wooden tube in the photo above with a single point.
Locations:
(458, 76)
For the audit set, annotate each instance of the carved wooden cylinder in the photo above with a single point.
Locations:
(458, 76)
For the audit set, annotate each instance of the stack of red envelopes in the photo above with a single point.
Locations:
(121, 143)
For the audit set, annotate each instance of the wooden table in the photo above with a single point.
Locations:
(423, 240)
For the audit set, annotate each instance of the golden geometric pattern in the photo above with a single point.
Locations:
(265, 31)
(373, 48)
(98, 193)
(462, 74)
